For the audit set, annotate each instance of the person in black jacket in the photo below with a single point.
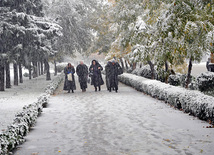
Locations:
(113, 69)
(95, 74)
(107, 70)
(82, 72)
(69, 78)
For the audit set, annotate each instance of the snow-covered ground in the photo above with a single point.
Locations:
(198, 68)
(14, 99)
(103, 123)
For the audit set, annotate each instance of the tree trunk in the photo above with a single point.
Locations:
(42, 70)
(166, 66)
(48, 75)
(45, 67)
(35, 73)
(39, 72)
(16, 80)
(126, 65)
(122, 63)
(167, 71)
(212, 58)
(8, 82)
(1, 76)
(134, 66)
(20, 73)
(55, 68)
(36, 69)
(152, 69)
(29, 69)
(189, 73)
(141, 64)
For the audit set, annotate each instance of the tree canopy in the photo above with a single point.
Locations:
(164, 32)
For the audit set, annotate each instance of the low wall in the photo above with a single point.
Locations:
(190, 101)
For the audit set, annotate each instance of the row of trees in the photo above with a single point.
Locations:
(164, 33)
(27, 39)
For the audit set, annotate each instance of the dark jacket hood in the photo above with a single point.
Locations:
(95, 61)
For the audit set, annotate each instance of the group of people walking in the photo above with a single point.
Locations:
(113, 69)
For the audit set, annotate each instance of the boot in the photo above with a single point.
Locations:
(95, 88)
(99, 88)
(116, 89)
(109, 89)
(72, 91)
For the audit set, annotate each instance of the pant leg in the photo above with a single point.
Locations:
(81, 85)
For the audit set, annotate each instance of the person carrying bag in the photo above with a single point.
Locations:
(69, 83)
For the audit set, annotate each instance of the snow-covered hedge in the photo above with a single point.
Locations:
(175, 79)
(145, 71)
(14, 135)
(191, 101)
(54, 84)
(205, 81)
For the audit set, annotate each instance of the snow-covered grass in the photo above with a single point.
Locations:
(14, 135)
(190, 101)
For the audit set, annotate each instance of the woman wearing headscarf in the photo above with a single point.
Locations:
(69, 78)
(96, 76)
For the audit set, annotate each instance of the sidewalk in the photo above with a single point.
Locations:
(14, 99)
(103, 123)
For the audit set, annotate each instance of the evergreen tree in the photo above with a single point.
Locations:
(24, 32)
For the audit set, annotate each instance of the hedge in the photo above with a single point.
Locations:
(190, 101)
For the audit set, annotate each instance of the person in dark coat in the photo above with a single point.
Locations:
(207, 64)
(69, 78)
(113, 69)
(95, 74)
(82, 72)
(107, 70)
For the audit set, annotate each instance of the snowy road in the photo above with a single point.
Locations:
(124, 123)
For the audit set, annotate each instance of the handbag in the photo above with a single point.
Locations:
(90, 74)
(70, 77)
(89, 80)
